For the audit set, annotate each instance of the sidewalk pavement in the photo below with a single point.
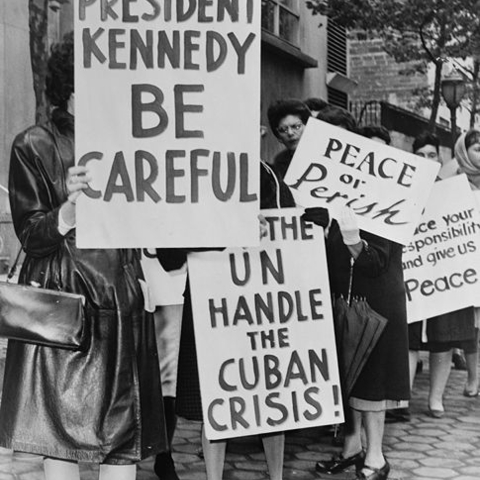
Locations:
(422, 449)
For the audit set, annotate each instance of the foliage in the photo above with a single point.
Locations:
(420, 32)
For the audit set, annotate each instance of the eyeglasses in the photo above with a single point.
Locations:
(295, 128)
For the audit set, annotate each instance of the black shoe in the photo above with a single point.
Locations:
(164, 467)
(338, 464)
(459, 362)
(419, 368)
(397, 415)
(377, 473)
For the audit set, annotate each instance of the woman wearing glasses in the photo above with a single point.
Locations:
(287, 120)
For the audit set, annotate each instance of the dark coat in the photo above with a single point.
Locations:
(102, 405)
(281, 162)
(444, 332)
(378, 277)
(188, 402)
(452, 327)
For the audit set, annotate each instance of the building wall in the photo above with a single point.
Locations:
(17, 99)
(378, 75)
(283, 78)
(17, 104)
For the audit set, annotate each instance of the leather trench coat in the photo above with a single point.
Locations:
(103, 405)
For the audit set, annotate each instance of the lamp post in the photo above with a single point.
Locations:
(453, 90)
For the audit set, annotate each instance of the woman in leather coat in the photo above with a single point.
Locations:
(102, 405)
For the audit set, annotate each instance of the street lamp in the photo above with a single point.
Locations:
(453, 90)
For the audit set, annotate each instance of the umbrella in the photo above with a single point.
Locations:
(358, 328)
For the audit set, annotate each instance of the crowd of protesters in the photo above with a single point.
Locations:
(105, 405)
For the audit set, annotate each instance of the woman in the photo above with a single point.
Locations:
(444, 332)
(467, 154)
(273, 194)
(103, 405)
(287, 119)
(383, 383)
(377, 276)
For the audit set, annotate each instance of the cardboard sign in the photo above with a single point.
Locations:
(264, 333)
(386, 187)
(167, 99)
(442, 263)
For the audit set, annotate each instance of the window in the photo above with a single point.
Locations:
(337, 61)
(281, 18)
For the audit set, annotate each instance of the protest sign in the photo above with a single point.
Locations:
(159, 91)
(442, 263)
(386, 187)
(264, 333)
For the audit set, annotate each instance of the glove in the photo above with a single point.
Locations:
(317, 215)
(348, 227)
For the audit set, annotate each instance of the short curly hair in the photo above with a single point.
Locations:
(378, 131)
(59, 83)
(282, 108)
(338, 116)
(426, 138)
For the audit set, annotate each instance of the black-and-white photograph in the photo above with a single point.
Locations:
(239, 239)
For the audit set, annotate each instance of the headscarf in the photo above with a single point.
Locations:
(465, 164)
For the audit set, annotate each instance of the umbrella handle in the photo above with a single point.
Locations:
(350, 281)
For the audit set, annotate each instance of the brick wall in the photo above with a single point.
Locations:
(378, 75)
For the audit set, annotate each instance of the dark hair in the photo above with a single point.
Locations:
(59, 81)
(426, 138)
(338, 116)
(315, 104)
(378, 131)
(282, 108)
(472, 137)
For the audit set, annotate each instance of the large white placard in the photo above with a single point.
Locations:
(387, 188)
(264, 333)
(167, 99)
(442, 263)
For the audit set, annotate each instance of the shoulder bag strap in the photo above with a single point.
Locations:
(13, 268)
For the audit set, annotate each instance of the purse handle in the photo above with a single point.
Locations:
(13, 268)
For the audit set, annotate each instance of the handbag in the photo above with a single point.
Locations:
(357, 328)
(41, 316)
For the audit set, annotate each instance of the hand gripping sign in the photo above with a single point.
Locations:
(264, 333)
(386, 187)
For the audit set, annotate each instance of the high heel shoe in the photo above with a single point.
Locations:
(470, 393)
(459, 362)
(338, 463)
(377, 473)
(436, 413)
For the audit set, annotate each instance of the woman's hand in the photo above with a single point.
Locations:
(349, 227)
(317, 215)
(77, 181)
